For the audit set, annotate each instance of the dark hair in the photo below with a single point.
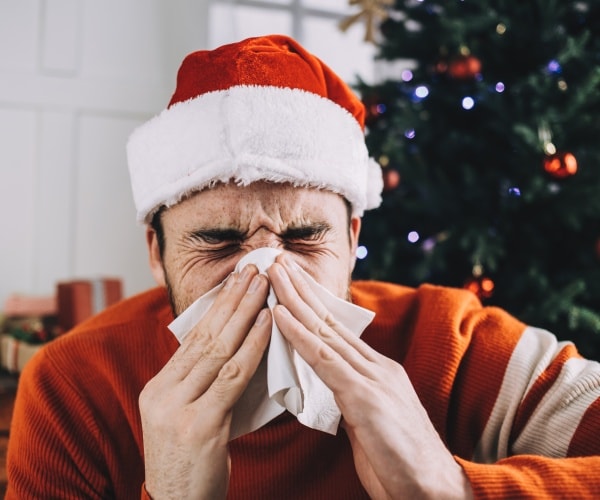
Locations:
(156, 225)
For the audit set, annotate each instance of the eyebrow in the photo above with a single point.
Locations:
(221, 234)
(304, 231)
(232, 234)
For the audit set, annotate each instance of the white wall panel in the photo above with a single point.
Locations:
(230, 23)
(19, 34)
(185, 25)
(55, 190)
(124, 41)
(61, 29)
(108, 241)
(18, 134)
(344, 52)
(76, 76)
(73, 94)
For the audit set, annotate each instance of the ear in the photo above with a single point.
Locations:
(355, 224)
(156, 264)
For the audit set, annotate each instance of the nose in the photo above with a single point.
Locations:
(263, 238)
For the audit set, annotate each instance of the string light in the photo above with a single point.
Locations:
(361, 252)
(429, 244)
(554, 67)
(421, 92)
(407, 75)
(413, 237)
(468, 103)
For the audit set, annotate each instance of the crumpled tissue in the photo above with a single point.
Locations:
(283, 379)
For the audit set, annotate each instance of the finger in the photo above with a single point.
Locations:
(235, 374)
(225, 304)
(300, 281)
(207, 359)
(337, 365)
(212, 323)
(294, 292)
(200, 342)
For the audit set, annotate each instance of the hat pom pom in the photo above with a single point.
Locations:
(374, 184)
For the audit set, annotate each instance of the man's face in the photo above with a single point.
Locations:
(207, 234)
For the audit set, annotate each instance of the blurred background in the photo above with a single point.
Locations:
(76, 77)
(483, 114)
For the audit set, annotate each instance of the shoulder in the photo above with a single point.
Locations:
(136, 319)
(435, 312)
(151, 305)
(383, 297)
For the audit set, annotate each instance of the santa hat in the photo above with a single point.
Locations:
(262, 109)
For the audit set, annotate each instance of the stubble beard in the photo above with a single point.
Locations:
(177, 304)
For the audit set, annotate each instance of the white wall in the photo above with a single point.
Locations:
(76, 76)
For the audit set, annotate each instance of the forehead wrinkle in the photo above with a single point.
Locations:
(273, 216)
(274, 207)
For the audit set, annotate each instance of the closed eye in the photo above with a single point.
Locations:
(218, 236)
(309, 233)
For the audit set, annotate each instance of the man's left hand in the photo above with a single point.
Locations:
(397, 451)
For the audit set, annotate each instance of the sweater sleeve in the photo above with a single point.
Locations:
(519, 410)
(57, 448)
(542, 432)
(76, 430)
(533, 476)
(53, 440)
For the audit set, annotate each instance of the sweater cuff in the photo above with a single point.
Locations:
(529, 476)
(144, 494)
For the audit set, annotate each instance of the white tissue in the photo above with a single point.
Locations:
(283, 379)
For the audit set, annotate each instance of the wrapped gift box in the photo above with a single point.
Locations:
(20, 305)
(31, 318)
(14, 353)
(79, 299)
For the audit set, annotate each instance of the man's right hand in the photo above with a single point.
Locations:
(186, 408)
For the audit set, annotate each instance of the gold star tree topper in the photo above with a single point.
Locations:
(371, 11)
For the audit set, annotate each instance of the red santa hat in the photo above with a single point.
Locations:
(262, 109)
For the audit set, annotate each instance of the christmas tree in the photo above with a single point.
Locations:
(490, 143)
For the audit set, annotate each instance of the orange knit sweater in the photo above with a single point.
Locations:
(520, 411)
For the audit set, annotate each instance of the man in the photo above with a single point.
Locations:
(262, 147)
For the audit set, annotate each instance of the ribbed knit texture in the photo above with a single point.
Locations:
(76, 429)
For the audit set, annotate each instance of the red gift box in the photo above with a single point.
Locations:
(78, 300)
(19, 305)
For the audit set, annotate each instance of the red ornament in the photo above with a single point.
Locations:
(481, 286)
(598, 248)
(560, 165)
(463, 67)
(374, 108)
(391, 179)
(441, 67)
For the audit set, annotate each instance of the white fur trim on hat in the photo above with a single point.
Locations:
(247, 134)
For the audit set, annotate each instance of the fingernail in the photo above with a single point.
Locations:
(246, 272)
(282, 272)
(262, 317)
(290, 263)
(255, 284)
(229, 281)
(283, 310)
